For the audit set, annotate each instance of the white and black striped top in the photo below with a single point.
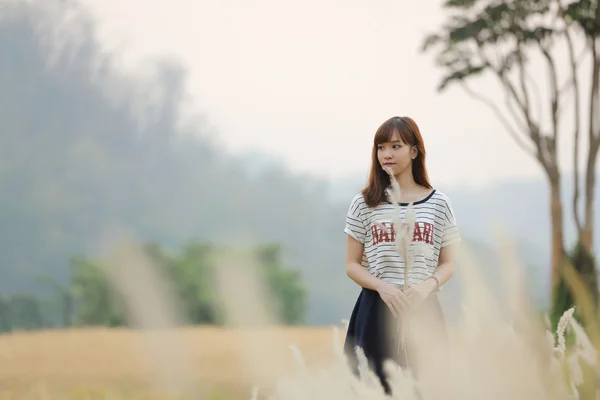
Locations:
(435, 226)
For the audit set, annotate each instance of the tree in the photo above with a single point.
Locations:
(25, 312)
(62, 298)
(500, 38)
(97, 301)
(285, 284)
(5, 324)
(191, 274)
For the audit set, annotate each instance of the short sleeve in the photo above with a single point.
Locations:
(354, 223)
(451, 234)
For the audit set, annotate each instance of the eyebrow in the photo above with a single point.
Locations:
(392, 141)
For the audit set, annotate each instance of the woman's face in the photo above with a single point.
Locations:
(394, 155)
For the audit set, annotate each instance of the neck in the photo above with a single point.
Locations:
(406, 180)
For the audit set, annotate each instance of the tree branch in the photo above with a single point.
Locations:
(594, 141)
(569, 83)
(532, 127)
(536, 90)
(514, 134)
(575, 85)
(554, 92)
(550, 142)
(510, 106)
(501, 74)
(523, 104)
(523, 85)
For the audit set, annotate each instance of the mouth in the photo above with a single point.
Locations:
(389, 164)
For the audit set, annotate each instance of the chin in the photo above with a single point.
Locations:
(398, 171)
(394, 169)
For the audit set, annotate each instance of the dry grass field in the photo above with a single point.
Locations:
(117, 363)
(496, 351)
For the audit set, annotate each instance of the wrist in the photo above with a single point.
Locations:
(433, 284)
(379, 285)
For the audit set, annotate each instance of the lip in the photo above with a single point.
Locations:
(389, 164)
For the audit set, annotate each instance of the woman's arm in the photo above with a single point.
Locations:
(445, 268)
(395, 299)
(442, 274)
(354, 269)
(444, 271)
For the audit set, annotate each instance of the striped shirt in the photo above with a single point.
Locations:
(435, 227)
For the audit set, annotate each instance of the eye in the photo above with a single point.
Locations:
(397, 146)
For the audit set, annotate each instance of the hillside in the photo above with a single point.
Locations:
(87, 152)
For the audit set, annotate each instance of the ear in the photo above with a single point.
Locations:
(414, 152)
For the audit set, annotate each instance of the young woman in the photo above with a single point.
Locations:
(371, 258)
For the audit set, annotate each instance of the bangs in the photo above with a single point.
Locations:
(386, 131)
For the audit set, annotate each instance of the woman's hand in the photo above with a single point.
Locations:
(394, 298)
(417, 293)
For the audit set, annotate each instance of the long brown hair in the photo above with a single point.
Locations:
(379, 180)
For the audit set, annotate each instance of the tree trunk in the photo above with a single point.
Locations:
(587, 234)
(556, 215)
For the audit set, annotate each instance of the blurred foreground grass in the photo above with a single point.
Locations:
(497, 350)
(114, 364)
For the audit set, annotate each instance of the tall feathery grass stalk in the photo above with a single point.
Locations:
(152, 310)
(404, 226)
(495, 351)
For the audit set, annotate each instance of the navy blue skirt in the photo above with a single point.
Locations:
(373, 328)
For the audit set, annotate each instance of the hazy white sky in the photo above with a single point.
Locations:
(311, 81)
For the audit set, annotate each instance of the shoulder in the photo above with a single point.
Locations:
(444, 203)
(440, 196)
(358, 198)
(358, 202)
(359, 207)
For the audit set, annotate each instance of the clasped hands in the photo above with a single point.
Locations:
(400, 302)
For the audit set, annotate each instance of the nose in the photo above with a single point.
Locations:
(387, 154)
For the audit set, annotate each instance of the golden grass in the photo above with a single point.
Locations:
(114, 363)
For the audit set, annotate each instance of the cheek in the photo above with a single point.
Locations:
(400, 154)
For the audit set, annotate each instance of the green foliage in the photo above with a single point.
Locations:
(191, 274)
(460, 3)
(193, 278)
(97, 301)
(285, 284)
(586, 14)
(5, 323)
(20, 312)
(476, 29)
